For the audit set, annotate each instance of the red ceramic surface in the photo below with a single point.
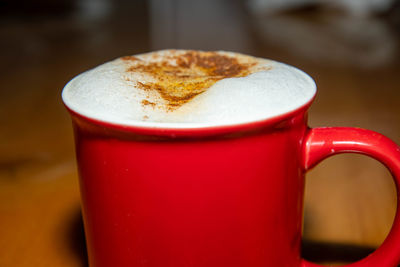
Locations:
(210, 197)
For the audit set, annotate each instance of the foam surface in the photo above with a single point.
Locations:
(121, 92)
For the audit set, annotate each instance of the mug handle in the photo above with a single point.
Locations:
(320, 143)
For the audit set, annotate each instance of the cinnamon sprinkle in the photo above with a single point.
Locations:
(179, 77)
(148, 103)
(130, 58)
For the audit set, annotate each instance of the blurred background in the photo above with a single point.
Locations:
(350, 47)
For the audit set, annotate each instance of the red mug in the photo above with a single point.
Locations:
(221, 196)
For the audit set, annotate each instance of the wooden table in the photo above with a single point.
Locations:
(350, 200)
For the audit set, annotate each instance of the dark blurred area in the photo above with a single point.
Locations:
(351, 49)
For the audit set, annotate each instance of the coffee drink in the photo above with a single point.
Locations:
(184, 88)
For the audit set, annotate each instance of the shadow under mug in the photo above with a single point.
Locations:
(222, 196)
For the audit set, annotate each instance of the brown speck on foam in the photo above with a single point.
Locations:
(148, 103)
(130, 58)
(180, 76)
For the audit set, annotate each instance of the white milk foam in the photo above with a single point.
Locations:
(109, 93)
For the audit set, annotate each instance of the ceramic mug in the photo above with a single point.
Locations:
(222, 196)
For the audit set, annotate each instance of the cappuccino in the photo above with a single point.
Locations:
(184, 88)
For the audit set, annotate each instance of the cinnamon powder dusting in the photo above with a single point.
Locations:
(179, 77)
(148, 103)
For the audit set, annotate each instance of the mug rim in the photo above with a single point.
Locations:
(189, 126)
(206, 130)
